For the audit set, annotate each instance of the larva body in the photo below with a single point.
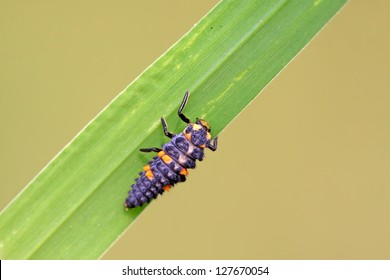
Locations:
(170, 165)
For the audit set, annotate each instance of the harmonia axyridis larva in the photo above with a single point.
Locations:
(172, 161)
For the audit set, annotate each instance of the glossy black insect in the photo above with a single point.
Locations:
(172, 161)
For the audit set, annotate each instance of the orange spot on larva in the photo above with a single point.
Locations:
(161, 153)
(188, 136)
(149, 174)
(184, 172)
(167, 159)
(167, 187)
(146, 167)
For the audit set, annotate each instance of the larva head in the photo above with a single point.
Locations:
(205, 125)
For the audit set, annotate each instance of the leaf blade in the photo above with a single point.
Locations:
(225, 60)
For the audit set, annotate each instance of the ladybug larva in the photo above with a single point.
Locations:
(172, 161)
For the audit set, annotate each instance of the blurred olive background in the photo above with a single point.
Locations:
(302, 173)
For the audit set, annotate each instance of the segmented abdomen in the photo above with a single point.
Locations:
(165, 170)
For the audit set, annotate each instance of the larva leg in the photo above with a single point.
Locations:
(148, 150)
(213, 146)
(182, 105)
(165, 127)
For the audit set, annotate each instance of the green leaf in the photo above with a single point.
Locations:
(74, 208)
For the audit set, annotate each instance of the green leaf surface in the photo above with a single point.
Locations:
(74, 208)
